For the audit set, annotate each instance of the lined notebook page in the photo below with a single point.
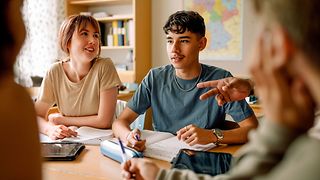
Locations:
(167, 147)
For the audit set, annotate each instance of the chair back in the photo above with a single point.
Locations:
(138, 123)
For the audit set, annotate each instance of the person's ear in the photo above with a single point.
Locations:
(281, 47)
(68, 46)
(202, 43)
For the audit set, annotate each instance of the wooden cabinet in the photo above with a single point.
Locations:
(132, 59)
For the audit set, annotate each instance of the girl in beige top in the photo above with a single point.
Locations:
(83, 86)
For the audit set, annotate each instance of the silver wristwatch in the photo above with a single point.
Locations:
(218, 133)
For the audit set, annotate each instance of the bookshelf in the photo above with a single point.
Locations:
(131, 53)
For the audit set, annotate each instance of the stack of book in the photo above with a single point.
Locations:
(117, 33)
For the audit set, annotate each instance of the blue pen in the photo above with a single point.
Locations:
(137, 137)
(124, 156)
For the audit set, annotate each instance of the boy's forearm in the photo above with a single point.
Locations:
(121, 129)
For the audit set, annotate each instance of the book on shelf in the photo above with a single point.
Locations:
(115, 33)
(130, 32)
(121, 33)
(159, 145)
(104, 33)
(86, 135)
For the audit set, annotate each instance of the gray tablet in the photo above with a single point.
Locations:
(203, 162)
(61, 151)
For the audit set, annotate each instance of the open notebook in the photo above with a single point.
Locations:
(86, 135)
(165, 146)
(159, 145)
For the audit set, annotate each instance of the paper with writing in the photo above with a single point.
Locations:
(86, 135)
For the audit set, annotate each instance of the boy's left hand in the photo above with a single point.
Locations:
(192, 135)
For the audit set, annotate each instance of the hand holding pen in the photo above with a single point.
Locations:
(134, 140)
(137, 137)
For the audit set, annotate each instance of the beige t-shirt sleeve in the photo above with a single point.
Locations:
(110, 77)
(46, 93)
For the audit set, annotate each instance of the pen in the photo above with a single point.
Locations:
(124, 156)
(137, 137)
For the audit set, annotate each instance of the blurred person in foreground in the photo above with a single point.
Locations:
(19, 136)
(285, 67)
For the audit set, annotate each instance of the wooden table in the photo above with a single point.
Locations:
(91, 164)
(257, 109)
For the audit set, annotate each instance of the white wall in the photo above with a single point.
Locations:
(162, 9)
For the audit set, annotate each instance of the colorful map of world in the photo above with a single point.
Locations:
(223, 20)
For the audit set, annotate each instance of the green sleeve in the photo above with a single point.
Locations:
(266, 148)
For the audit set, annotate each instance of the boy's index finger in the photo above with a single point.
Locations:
(212, 83)
(210, 93)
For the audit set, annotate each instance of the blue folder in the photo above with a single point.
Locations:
(111, 149)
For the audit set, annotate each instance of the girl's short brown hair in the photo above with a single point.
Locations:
(72, 23)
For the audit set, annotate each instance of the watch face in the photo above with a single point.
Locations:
(218, 132)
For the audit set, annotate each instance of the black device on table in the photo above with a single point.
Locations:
(61, 151)
(204, 162)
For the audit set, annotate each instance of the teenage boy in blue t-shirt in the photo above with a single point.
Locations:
(172, 94)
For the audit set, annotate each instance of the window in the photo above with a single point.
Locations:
(40, 49)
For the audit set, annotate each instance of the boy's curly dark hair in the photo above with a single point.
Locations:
(182, 21)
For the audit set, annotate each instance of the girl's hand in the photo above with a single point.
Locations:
(60, 131)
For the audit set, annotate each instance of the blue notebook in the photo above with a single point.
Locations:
(111, 149)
